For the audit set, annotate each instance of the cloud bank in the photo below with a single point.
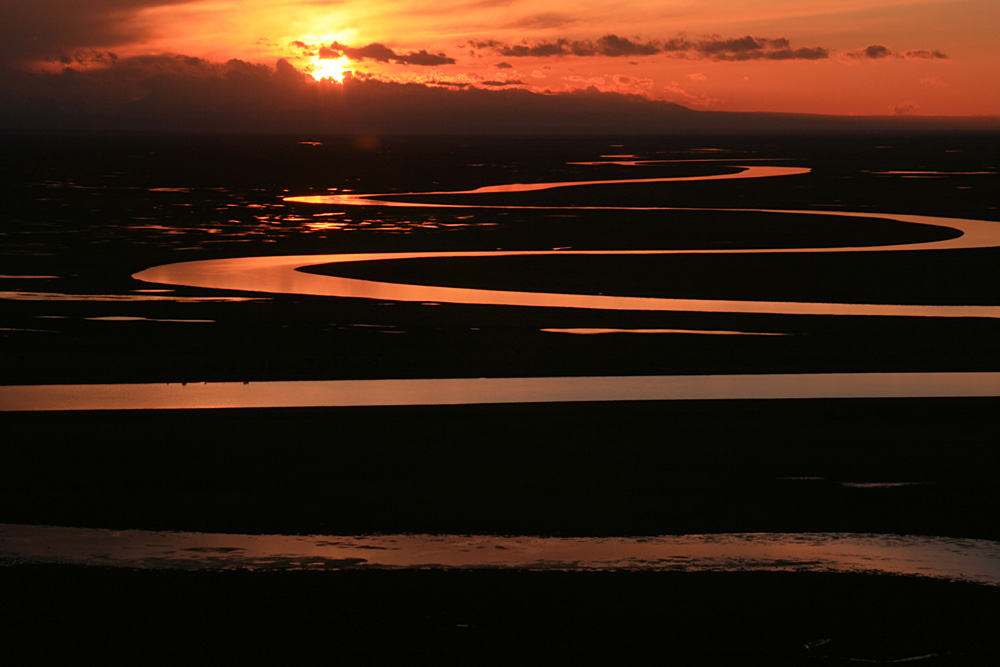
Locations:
(180, 93)
(174, 93)
(879, 52)
(55, 29)
(377, 52)
(614, 46)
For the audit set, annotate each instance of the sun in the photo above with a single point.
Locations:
(329, 68)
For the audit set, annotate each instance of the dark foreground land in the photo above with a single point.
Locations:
(598, 469)
(90, 211)
(470, 617)
(916, 466)
(83, 210)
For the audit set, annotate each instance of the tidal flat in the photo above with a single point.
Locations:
(84, 214)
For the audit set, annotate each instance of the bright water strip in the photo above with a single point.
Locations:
(473, 391)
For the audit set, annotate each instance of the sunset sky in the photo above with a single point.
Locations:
(853, 57)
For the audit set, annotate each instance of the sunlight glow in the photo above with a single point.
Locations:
(325, 68)
(775, 55)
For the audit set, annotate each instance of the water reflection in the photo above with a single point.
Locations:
(278, 274)
(470, 391)
(937, 557)
(634, 161)
(61, 296)
(506, 188)
(133, 318)
(593, 331)
(933, 173)
(29, 277)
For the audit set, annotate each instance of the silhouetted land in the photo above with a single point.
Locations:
(492, 618)
(561, 469)
(80, 208)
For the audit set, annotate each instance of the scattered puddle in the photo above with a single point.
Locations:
(878, 485)
(594, 332)
(59, 296)
(933, 173)
(130, 318)
(29, 277)
(27, 330)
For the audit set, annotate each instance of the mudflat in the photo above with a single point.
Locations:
(485, 617)
(87, 213)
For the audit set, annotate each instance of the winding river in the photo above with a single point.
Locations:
(280, 274)
(955, 559)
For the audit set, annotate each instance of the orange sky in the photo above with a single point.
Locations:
(921, 57)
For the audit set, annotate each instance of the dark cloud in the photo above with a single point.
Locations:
(57, 29)
(608, 45)
(380, 53)
(756, 48)
(537, 50)
(879, 52)
(179, 93)
(422, 57)
(676, 45)
(802, 53)
(876, 51)
(88, 57)
(729, 46)
(471, 84)
(504, 66)
(613, 46)
(446, 82)
(872, 52)
(923, 54)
